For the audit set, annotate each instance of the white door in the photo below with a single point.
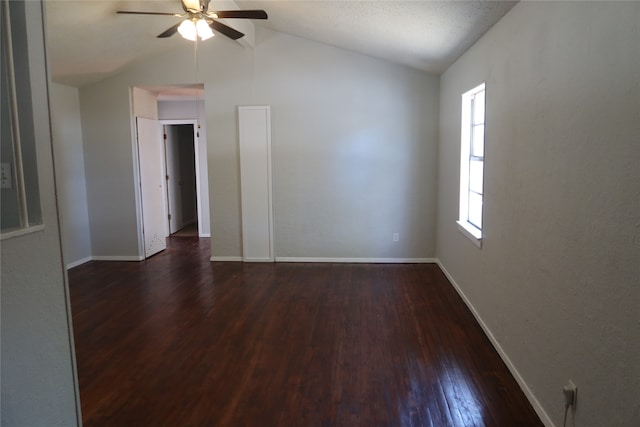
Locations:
(255, 183)
(151, 176)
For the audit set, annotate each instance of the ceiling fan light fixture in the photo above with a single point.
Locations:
(197, 21)
(203, 29)
(188, 30)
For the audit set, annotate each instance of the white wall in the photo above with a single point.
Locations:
(38, 372)
(108, 155)
(354, 140)
(145, 104)
(183, 110)
(557, 281)
(354, 151)
(70, 174)
(108, 148)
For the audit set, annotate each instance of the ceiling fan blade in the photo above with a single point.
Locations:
(169, 31)
(246, 14)
(130, 12)
(226, 30)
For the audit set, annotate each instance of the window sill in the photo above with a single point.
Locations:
(5, 235)
(471, 233)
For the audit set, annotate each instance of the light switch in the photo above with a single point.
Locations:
(5, 175)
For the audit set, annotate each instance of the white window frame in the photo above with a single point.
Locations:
(16, 166)
(465, 225)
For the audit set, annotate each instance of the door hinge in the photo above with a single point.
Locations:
(169, 217)
(165, 136)
(166, 177)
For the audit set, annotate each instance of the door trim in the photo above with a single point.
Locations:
(256, 183)
(194, 122)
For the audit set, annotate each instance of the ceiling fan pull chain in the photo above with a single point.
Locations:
(195, 80)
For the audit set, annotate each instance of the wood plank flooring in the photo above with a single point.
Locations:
(179, 341)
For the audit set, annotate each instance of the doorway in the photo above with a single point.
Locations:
(183, 207)
(173, 181)
(181, 179)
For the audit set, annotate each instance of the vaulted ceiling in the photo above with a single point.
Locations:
(88, 41)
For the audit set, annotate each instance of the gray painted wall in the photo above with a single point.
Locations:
(109, 160)
(354, 147)
(70, 174)
(557, 281)
(354, 151)
(108, 155)
(37, 368)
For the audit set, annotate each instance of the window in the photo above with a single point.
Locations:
(472, 164)
(20, 211)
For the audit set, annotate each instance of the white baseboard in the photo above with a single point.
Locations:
(204, 235)
(226, 258)
(79, 262)
(103, 258)
(360, 260)
(503, 355)
(117, 258)
(332, 260)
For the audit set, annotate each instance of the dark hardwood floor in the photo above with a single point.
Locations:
(179, 341)
(190, 230)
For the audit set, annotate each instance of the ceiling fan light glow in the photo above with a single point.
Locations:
(188, 30)
(204, 31)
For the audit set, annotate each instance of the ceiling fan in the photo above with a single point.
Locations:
(198, 21)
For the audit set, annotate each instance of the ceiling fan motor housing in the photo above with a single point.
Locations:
(195, 6)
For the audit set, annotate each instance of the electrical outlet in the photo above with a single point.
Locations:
(396, 237)
(570, 392)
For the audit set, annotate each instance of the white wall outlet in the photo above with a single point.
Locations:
(396, 237)
(570, 392)
(5, 175)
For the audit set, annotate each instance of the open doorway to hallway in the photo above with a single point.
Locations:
(180, 199)
(180, 173)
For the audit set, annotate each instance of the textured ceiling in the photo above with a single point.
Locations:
(429, 35)
(88, 41)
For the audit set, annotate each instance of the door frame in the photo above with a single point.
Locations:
(194, 123)
(256, 183)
